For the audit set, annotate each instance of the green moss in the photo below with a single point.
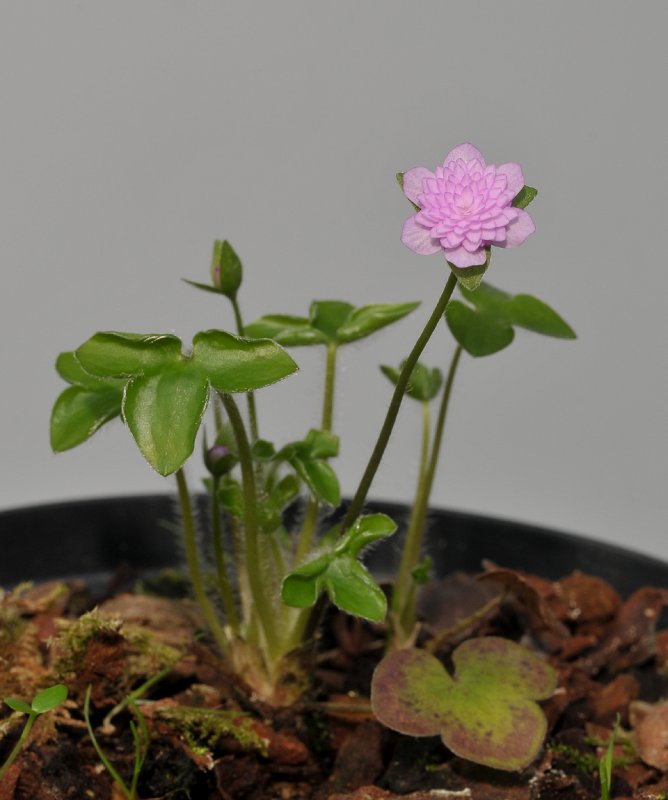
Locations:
(202, 728)
(583, 761)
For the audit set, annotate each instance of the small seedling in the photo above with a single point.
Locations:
(140, 738)
(605, 764)
(42, 703)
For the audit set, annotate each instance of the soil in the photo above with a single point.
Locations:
(211, 740)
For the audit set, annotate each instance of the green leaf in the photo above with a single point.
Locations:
(284, 492)
(17, 705)
(262, 450)
(525, 196)
(78, 413)
(487, 297)
(286, 330)
(319, 477)
(327, 316)
(471, 277)
(235, 364)
(534, 315)
(352, 588)
(478, 332)
(605, 763)
(486, 712)
(318, 444)
(50, 698)
(368, 319)
(69, 368)
(231, 497)
(365, 530)
(424, 383)
(301, 588)
(115, 355)
(164, 412)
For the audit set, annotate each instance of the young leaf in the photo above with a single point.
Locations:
(365, 530)
(231, 497)
(263, 450)
(286, 330)
(17, 705)
(78, 413)
(486, 712)
(50, 698)
(352, 588)
(319, 444)
(319, 477)
(235, 364)
(605, 764)
(114, 355)
(164, 412)
(327, 316)
(368, 319)
(424, 383)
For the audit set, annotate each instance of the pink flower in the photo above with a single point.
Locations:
(465, 205)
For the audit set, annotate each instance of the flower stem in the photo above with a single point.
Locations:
(190, 545)
(403, 601)
(395, 403)
(250, 397)
(224, 585)
(23, 738)
(311, 517)
(258, 578)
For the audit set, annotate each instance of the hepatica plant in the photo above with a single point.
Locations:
(261, 584)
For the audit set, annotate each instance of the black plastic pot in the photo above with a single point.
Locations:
(94, 539)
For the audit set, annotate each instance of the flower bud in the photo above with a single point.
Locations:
(225, 268)
(218, 460)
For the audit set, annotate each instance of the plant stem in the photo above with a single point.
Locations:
(224, 585)
(311, 517)
(23, 738)
(395, 403)
(330, 375)
(190, 544)
(250, 397)
(258, 578)
(100, 752)
(405, 608)
(402, 584)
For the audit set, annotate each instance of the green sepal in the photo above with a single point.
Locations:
(525, 196)
(50, 698)
(471, 277)
(424, 383)
(17, 705)
(400, 181)
(203, 286)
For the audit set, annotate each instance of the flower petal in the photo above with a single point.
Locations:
(518, 230)
(413, 182)
(513, 173)
(418, 239)
(462, 258)
(467, 152)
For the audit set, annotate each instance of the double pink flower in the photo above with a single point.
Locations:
(465, 205)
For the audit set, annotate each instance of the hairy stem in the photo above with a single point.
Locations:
(224, 585)
(395, 403)
(23, 738)
(413, 545)
(190, 545)
(259, 579)
(250, 397)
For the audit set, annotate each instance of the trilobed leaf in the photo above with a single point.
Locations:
(486, 712)
(78, 413)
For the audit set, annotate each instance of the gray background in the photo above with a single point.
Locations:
(134, 133)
